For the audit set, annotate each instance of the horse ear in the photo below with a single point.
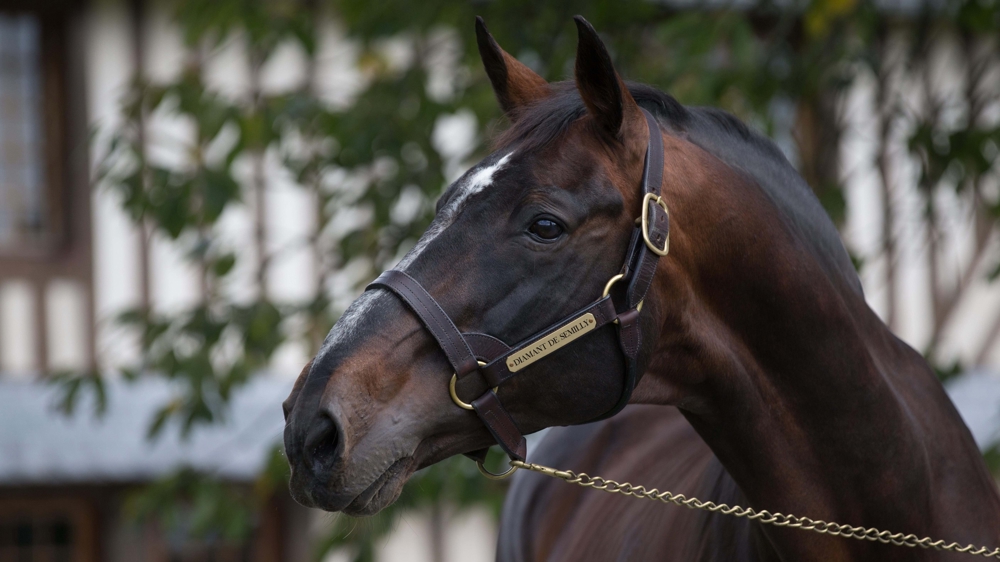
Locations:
(603, 91)
(514, 84)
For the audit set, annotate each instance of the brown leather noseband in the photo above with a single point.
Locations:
(482, 363)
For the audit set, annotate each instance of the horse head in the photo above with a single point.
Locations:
(531, 233)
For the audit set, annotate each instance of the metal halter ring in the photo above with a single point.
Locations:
(611, 283)
(494, 476)
(454, 397)
(645, 223)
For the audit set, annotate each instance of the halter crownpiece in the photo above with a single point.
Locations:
(483, 363)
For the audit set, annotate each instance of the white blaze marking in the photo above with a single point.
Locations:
(474, 182)
(481, 179)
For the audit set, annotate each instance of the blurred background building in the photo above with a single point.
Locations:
(192, 190)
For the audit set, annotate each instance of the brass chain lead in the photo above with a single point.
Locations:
(763, 516)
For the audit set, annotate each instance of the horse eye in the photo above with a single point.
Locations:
(546, 229)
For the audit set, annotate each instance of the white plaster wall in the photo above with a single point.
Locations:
(862, 232)
(115, 240)
(66, 325)
(17, 329)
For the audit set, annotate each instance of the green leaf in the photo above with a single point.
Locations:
(992, 457)
(160, 419)
(223, 264)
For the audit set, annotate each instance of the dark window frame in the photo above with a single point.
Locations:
(77, 511)
(68, 253)
(54, 114)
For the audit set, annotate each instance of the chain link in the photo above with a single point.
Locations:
(763, 516)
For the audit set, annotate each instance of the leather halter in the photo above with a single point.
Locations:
(481, 361)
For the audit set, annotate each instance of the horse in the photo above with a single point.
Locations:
(545, 519)
(740, 307)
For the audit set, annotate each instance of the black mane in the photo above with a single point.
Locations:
(718, 133)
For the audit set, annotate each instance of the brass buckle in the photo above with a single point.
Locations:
(611, 283)
(493, 475)
(454, 397)
(645, 223)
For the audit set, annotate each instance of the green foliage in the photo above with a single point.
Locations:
(948, 372)
(197, 505)
(202, 506)
(217, 345)
(992, 457)
(959, 155)
(210, 350)
(366, 156)
(173, 200)
(72, 386)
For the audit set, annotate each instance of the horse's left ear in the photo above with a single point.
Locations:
(603, 91)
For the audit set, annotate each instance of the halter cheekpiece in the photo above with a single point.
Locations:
(483, 363)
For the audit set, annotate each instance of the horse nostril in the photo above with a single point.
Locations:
(323, 443)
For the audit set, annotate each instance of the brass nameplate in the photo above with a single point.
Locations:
(551, 342)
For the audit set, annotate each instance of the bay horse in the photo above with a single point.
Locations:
(754, 325)
(546, 519)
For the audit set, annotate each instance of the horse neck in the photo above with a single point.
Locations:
(813, 406)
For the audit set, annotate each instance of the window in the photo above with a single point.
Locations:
(49, 529)
(45, 241)
(22, 200)
(27, 538)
